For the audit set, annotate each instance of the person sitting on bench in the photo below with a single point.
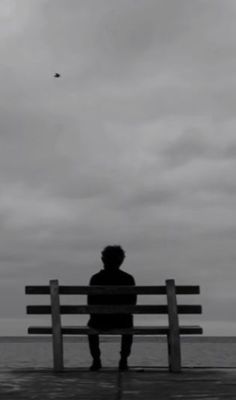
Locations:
(112, 258)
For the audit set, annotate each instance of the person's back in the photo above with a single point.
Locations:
(112, 257)
(109, 321)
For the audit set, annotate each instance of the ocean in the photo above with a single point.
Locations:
(36, 352)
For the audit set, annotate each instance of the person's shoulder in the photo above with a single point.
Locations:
(127, 276)
(94, 278)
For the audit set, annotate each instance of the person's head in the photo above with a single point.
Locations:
(113, 257)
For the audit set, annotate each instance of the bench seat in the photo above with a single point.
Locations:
(138, 330)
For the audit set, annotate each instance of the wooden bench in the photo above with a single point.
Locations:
(173, 330)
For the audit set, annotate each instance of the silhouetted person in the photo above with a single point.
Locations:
(112, 258)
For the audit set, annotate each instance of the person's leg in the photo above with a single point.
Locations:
(126, 344)
(95, 351)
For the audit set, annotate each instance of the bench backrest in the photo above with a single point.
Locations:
(170, 290)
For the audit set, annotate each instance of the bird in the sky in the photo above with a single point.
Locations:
(56, 75)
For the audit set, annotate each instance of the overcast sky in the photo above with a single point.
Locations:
(134, 144)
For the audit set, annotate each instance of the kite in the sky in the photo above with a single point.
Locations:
(56, 75)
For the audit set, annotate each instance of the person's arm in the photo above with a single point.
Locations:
(132, 298)
(92, 299)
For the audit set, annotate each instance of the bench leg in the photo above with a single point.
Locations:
(58, 364)
(57, 339)
(174, 353)
(173, 335)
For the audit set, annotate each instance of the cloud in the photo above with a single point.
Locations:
(189, 146)
(22, 208)
(134, 144)
(14, 16)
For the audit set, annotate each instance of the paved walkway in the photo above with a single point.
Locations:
(150, 384)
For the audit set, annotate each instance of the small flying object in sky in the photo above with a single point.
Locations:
(56, 75)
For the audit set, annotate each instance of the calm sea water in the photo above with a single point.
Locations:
(29, 352)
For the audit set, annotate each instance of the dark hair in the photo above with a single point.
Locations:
(114, 255)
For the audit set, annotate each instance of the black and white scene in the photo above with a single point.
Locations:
(117, 199)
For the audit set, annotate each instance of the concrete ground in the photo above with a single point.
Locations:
(109, 384)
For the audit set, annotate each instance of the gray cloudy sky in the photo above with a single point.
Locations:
(135, 144)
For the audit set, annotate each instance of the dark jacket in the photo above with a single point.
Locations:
(110, 321)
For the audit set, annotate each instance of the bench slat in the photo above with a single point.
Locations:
(139, 330)
(96, 290)
(116, 309)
